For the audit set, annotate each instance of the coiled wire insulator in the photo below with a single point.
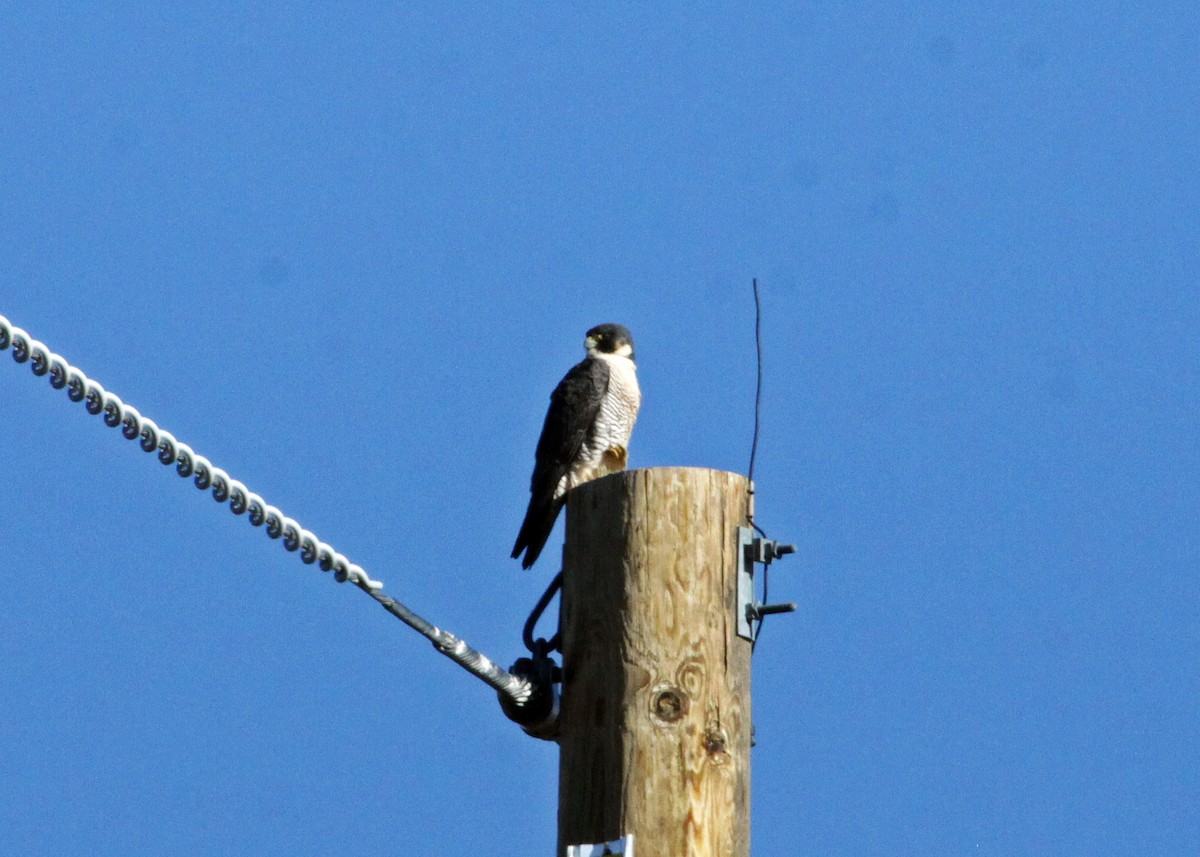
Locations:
(241, 501)
(205, 476)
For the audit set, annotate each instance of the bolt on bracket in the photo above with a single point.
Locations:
(754, 549)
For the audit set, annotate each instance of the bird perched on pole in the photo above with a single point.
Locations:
(586, 433)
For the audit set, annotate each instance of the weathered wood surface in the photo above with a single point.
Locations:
(655, 726)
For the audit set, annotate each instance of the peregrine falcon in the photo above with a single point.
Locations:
(586, 433)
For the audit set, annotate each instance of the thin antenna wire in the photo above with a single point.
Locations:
(758, 379)
(754, 444)
(757, 398)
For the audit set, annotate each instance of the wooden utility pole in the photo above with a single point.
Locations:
(655, 721)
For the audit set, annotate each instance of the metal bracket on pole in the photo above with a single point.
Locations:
(752, 549)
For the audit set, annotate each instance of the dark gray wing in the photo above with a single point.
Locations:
(574, 405)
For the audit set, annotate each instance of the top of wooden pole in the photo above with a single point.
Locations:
(655, 726)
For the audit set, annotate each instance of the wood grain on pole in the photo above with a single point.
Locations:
(655, 725)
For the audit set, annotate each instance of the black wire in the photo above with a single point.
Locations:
(754, 444)
(758, 379)
(542, 647)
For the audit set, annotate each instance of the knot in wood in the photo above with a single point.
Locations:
(715, 740)
(670, 705)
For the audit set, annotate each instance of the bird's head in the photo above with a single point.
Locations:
(609, 339)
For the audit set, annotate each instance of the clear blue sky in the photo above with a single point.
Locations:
(346, 252)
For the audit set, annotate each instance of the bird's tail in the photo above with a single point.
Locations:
(539, 521)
